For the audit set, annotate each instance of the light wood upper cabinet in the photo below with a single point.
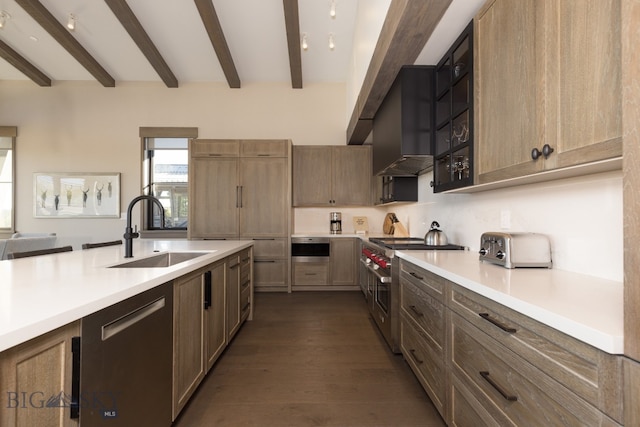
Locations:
(312, 175)
(326, 175)
(545, 77)
(33, 372)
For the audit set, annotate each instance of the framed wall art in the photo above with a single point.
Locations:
(76, 195)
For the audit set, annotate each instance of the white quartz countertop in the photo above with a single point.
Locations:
(587, 308)
(40, 294)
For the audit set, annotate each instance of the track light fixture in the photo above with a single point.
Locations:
(332, 44)
(71, 22)
(305, 45)
(4, 16)
(332, 9)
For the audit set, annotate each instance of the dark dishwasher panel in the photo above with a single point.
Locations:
(126, 362)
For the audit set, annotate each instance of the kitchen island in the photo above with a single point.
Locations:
(40, 294)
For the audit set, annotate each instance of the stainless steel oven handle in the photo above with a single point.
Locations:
(383, 279)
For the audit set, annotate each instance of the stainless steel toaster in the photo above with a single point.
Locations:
(512, 250)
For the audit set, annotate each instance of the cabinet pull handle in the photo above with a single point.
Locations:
(487, 377)
(416, 276)
(415, 310)
(500, 325)
(234, 266)
(246, 306)
(74, 405)
(264, 260)
(245, 284)
(214, 155)
(237, 196)
(310, 274)
(414, 357)
(207, 289)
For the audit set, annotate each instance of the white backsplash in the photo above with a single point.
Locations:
(582, 217)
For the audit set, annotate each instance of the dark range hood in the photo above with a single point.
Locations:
(403, 125)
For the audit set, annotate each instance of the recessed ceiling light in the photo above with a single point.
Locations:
(305, 45)
(71, 22)
(33, 38)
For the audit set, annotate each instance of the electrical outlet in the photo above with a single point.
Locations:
(505, 219)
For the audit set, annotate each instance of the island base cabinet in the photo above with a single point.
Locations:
(33, 373)
(511, 390)
(188, 332)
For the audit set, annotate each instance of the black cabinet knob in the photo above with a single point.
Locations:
(546, 152)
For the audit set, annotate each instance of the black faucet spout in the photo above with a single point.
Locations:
(129, 234)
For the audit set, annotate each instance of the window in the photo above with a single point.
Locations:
(7, 179)
(165, 166)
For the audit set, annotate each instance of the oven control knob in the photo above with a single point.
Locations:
(367, 261)
(500, 255)
(483, 251)
(376, 266)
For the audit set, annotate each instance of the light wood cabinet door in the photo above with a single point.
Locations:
(32, 373)
(509, 67)
(547, 73)
(233, 296)
(351, 178)
(188, 345)
(585, 124)
(213, 198)
(264, 201)
(327, 175)
(342, 262)
(312, 172)
(215, 313)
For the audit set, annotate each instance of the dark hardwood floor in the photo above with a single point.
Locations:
(310, 359)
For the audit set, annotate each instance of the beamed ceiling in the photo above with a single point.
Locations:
(232, 41)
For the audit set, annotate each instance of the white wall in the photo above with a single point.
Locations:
(84, 127)
(582, 216)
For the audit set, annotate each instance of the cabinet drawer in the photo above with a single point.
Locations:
(426, 361)
(270, 248)
(426, 311)
(214, 148)
(310, 273)
(265, 148)
(428, 282)
(511, 389)
(590, 373)
(270, 275)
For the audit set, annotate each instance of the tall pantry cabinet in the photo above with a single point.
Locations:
(241, 189)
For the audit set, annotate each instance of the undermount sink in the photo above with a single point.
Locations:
(166, 259)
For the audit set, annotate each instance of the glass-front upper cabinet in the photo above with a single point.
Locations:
(453, 163)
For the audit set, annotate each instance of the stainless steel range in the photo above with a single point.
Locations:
(379, 280)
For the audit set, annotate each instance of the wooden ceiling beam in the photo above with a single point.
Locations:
(130, 22)
(220, 46)
(292, 25)
(406, 29)
(22, 65)
(66, 40)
